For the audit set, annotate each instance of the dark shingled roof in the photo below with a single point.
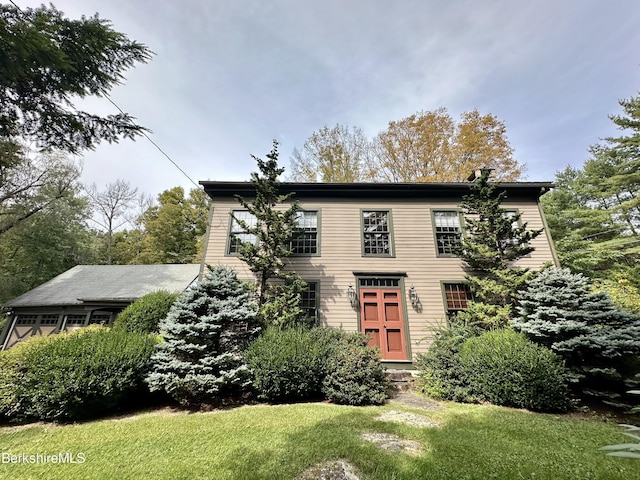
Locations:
(107, 283)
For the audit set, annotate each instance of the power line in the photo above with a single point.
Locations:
(106, 95)
(152, 142)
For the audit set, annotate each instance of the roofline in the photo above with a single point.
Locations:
(365, 190)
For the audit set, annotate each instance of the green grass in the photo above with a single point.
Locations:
(279, 442)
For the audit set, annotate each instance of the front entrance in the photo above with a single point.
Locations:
(382, 319)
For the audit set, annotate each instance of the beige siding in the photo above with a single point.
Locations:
(341, 254)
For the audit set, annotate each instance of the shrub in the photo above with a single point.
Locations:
(441, 375)
(75, 376)
(505, 368)
(201, 360)
(597, 340)
(287, 365)
(356, 376)
(144, 314)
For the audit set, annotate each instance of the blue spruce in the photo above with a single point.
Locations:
(201, 360)
(599, 342)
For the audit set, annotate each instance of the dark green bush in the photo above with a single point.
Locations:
(287, 365)
(441, 375)
(79, 375)
(504, 368)
(144, 315)
(297, 364)
(356, 376)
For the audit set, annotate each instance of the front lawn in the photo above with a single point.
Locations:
(280, 442)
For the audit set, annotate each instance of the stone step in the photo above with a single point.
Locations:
(402, 380)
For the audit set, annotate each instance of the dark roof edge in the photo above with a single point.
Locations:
(353, 190)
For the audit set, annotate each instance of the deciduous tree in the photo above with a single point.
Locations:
(111, 206)
(338, 154)
(432, 147)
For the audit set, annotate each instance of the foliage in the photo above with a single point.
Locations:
(432, 147)
(74, 376)
(273, 230)
(338, 154)
(287, 364)
(111, 205)
(32, 183)
(291, 364)
(598, 341)
(494, 239)
(174, 227)
(355, 375)
(201, 360)
(505, 368)
(45, 244)
(47, 62)
(441, 375)
(594, 212)
(145, 314)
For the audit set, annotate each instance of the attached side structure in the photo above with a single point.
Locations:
(86, 295)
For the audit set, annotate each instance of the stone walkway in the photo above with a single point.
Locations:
(342, 470)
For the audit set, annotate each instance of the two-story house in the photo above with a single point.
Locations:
(377, 257)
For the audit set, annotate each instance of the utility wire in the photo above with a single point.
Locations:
(152, 142)
(106, 95)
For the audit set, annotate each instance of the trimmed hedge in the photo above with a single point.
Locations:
(74, 376)
(144, 315)
(503, 367)
(287, 365)
(298, 364)
(441, 374)
(355, 375)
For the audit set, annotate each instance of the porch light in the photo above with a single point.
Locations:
(351, 295)
(413, 296)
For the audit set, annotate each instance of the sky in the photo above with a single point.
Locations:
(229, 77)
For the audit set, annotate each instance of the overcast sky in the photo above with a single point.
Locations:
(230, 76)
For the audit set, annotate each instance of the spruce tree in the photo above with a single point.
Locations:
(274, 229)
(205, 333)
(495, 239)
(599, 342)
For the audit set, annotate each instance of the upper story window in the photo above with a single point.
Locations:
(237, 235)
(376, 232)
(457, 297)
(447, 231)
(305, 241)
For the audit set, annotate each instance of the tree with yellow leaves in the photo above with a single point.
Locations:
(432, 147)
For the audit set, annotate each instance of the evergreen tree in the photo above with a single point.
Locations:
(599, 342)
(495, 238)
(201, 359)
(278, 289)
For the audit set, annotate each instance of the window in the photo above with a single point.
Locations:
(457, 297)
(26, 319)
(376, 233)
(51, 319)
(76, 319)
(305, 241)
(237, 235)
(447, 231)
(99, 318)
(309, 301)
(379, 282)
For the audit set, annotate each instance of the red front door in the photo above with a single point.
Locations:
(381, 319)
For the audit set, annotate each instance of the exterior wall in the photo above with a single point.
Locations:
(46, 321)
(414, 254)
